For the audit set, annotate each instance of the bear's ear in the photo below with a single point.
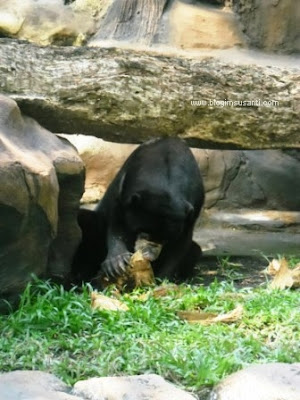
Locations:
(189, 210)
(135, 199)
(121, 184)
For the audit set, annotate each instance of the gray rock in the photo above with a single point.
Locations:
(195, 25)
(41, 181)
(264, 179)
(33, 385)
(252, 200)
(150, 387)
(44, 23)
(276, 381)
(271, 24)
(233, 179)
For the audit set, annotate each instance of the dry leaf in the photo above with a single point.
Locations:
(197, 317)
(231, 316)
(284, 277)
(101, 302)
(141, 270)
(157, 292)
(164, 290)
(139, 273)
(142, 297)
(204, 318)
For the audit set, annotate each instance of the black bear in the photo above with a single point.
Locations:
(157, 195)
(92, 249)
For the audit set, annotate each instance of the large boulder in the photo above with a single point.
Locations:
(261, 382)
(102, 160)
(258, 179)
(33, 385)
(271, 24)
(41, 181)
(37, 385)
(196, 25)
(234, 179)
(45, 22)
(252, 199)
(147, 386)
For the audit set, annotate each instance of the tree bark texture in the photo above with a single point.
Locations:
(132, 95)
(131, 20)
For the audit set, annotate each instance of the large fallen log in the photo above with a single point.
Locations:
(132, 95)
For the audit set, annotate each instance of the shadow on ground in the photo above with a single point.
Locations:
(242, 271)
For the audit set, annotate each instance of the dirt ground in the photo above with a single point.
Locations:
(243, 271)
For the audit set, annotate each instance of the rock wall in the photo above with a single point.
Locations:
(41, 181)
(44, 22)
(196, 25)
(233, 179)
(272, 25)
(252, 202)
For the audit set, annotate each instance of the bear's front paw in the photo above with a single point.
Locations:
(116, 266)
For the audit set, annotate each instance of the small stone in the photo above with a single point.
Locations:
(261, 382)
(150, 387)
(33, 385)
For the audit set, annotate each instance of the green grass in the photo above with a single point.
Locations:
(57, 331)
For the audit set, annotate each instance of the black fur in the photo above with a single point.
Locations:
(157, 195)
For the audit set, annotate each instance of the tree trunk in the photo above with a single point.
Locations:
(131, 95)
